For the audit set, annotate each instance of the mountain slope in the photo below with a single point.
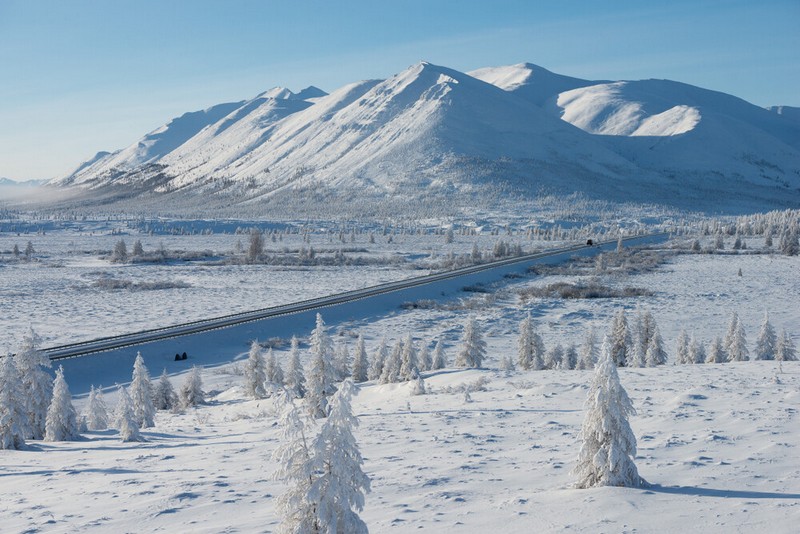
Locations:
(531, 82)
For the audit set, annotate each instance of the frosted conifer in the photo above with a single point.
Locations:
(697, 352)
(507, 363)
(191, 391)
(164, 396)
(321, 374)
(608, 444)
(554, 358)
(766, 341)
(656, 355)
(340, 483)
(620, 339)
(295, 375)
(473, 347)
(37, 384)
(62, 419)
(273, 369)
(424, 360)
(717, 352)
(13, 416)
(570, 357)
(637, 357)
(360, 361)
(736, 341)
(682, 349)
(408, 367)
(419, 386)
(141, 392)
(525, 343)
(255, 373)
(588, 353)
(342, 360)
(391, 367)
(97, 411)
(439, 359)
(124, 419)
(378, 359)
(785, 350)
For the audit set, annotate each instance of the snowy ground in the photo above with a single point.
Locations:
(718, 442)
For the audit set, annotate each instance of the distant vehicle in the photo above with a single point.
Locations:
(589, 242)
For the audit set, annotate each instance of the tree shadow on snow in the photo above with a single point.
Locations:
(720, 493)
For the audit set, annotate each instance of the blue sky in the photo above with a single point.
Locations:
(82, 76)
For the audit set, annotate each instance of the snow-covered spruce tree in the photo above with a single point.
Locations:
(342, 362)
(507, 364)
(785, 350)
(295, 467)
(697, 352)
(717, 352)
(439, 359)
(424, 360)
(588, 352)
(391, 367)
(97, 411)
(620, 338)
(766, 341)
(682, 348)
(191, 391)
(13, 417)
(637, 357)
(295, 375)
(37, 384)
(124, 419)
(273, 369)
(645, 328)
(141, 391)
(360, 361)
(570, 360)
(608, 445)
(321, 374)
(656, 355)
(473, 347)
(408, 366)
(736, 341)
(378, 359)
(255, 374)
(164, 396)
(340, 483)
(554, 357)
(62, 419)
(525, 343)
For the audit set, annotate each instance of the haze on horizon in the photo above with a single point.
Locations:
(80, 79)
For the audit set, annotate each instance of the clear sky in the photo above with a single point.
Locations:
(81, 76)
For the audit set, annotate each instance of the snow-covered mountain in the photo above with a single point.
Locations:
(432, 132)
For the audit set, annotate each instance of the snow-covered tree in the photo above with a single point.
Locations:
(360, 361)
(37, 384)
(164, 396)
(125, 421)
(645, 328)
(525, 343)
(507, 363)
(295, 375)
(408, 366)
(717, 352)
(191, 391)
(620, 338)
(62, 419)
(766, 341)
(97, 411)
(570, 360)
(473, 347)
(637, 356)
(138, 249)
(608, 445)
(736, 341)
(13, 416)
(342, 362)
(378, 359)
(273, 369)
(141, 392)
(340, 483)
(682, 348)
(439, 359)
(392, 365)
(321, 374)
(785, 350)
(697, 352)
(120, 254)
(554, 357)
(255, 373)
(656, 355)
(588, 352)
(418, 387)
(424, 360)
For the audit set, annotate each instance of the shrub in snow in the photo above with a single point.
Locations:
(191, 391)
(295, 375)
(13, 417)
(378, 359)
(766, 341)
(439, 359)
(620, 339)
(124, 418)
(164, 396)
(360, 361)
(62, 419)
(418, 387)
(97, 412)
(321, 375)
(785, 350)
(141, 391)
(717, 352)
(473, 347)
(255, 374)
(608, 445)
(37, 384)
(736, 341)
(273, 369)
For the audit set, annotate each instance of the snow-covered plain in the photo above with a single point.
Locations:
(717, 442)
